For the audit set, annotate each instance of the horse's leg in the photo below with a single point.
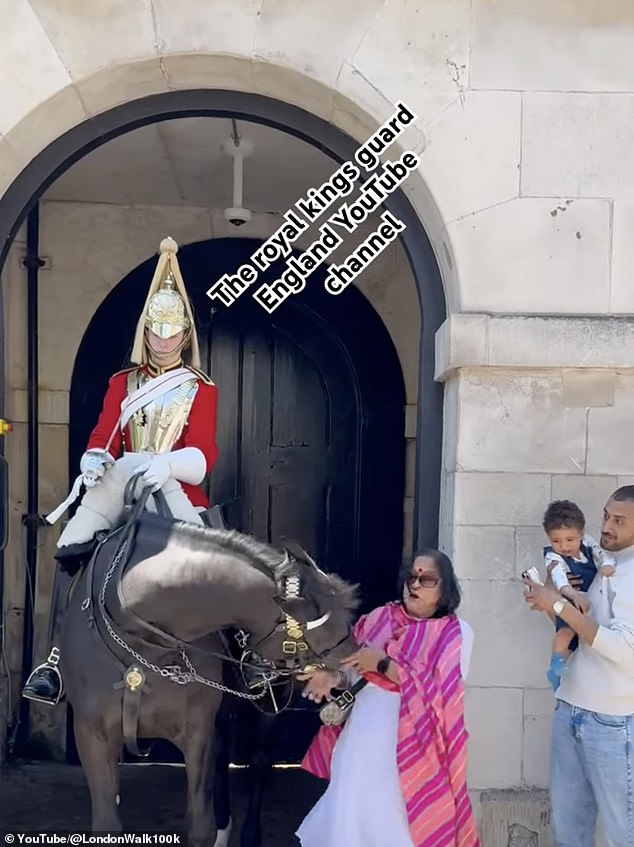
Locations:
(261, 763)
(197, 749)
(99, 755)
(222, 801)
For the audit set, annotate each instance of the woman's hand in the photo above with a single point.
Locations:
(319, 684)
(365, 659)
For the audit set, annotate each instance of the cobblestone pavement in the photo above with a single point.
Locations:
(44, 796)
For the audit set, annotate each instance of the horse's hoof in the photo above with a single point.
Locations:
(223, 835)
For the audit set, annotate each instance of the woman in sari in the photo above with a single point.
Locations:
(397, 768)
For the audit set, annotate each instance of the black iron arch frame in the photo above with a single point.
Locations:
(23, 195)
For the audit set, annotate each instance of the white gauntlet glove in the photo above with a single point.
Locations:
(185, 465)
(93, 464)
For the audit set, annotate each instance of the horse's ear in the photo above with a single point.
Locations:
(297, 552)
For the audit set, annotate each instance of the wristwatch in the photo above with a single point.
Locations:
(559, 606)
(383, 664)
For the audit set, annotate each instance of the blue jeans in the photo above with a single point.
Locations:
(591, 771)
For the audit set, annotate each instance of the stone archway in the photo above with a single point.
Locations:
(76, 142)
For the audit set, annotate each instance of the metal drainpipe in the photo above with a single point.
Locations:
(31, 520)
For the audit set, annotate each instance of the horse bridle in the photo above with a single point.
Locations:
(296, 643)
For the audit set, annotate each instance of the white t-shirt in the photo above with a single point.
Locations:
(600, 677)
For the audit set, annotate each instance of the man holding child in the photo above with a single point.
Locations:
(592, 752)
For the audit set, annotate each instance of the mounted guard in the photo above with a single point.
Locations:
(159, 417)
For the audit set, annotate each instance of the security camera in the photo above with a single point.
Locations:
(237, 216)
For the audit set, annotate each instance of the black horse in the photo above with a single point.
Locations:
(143, 652)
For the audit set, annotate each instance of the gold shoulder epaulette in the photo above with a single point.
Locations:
(201, 375)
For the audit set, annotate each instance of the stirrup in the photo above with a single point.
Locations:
(50, 664)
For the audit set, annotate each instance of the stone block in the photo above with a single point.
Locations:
(53, 478)
(624, 390)
(98, 35)
(512, 643)
(228, 28)
(570, 147)
(461, 341)
(411, 420)
(291, 86)
(39, 78)
(621, 289)
(590, 493)
(410, 467)
(516, 422)
(529, 547)
(609, 441)
(564, 247)
(473, 155)
(538, 710)
(559, 342)
(122, 83)
(494, 722)
(51, 119)
(588, 388)
(624, 480)
(538, 45)
(11, 163)
(190, 71)
(446, 517)
(418, 53)
(451, 425)
(484, 552)
(500, 499)
(335, 34)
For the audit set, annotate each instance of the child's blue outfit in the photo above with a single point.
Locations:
(587, 570)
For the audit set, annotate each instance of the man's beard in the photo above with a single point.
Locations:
(609, 542)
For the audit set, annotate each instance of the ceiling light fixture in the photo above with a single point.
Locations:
(239, 149)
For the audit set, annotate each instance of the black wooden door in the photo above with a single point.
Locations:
(286, 441)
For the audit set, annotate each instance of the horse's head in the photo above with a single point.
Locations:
(317, 612)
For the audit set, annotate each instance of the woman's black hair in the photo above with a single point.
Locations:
(449, 588)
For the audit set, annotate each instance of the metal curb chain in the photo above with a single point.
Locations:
(175, 674)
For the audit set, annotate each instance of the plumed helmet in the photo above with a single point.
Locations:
(167, 310)
(166, 313)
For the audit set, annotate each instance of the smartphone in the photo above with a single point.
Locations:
(533, 575)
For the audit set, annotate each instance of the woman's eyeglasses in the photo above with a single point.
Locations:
(425, 580)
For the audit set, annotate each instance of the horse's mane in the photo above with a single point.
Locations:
(317, 585)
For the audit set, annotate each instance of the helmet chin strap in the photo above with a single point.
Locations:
(159, 362)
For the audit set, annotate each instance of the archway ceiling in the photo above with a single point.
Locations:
(180, 162)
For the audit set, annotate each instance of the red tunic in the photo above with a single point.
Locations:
(199, 431)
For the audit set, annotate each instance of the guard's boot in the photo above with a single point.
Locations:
(45, 684)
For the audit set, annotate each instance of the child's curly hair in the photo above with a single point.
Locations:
(562, 513)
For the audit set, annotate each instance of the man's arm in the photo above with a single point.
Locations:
(614, 642)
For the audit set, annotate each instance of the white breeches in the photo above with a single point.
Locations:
(102, 505)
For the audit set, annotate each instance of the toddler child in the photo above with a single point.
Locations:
(570, 551)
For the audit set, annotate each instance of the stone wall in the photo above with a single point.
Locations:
(527, 426)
